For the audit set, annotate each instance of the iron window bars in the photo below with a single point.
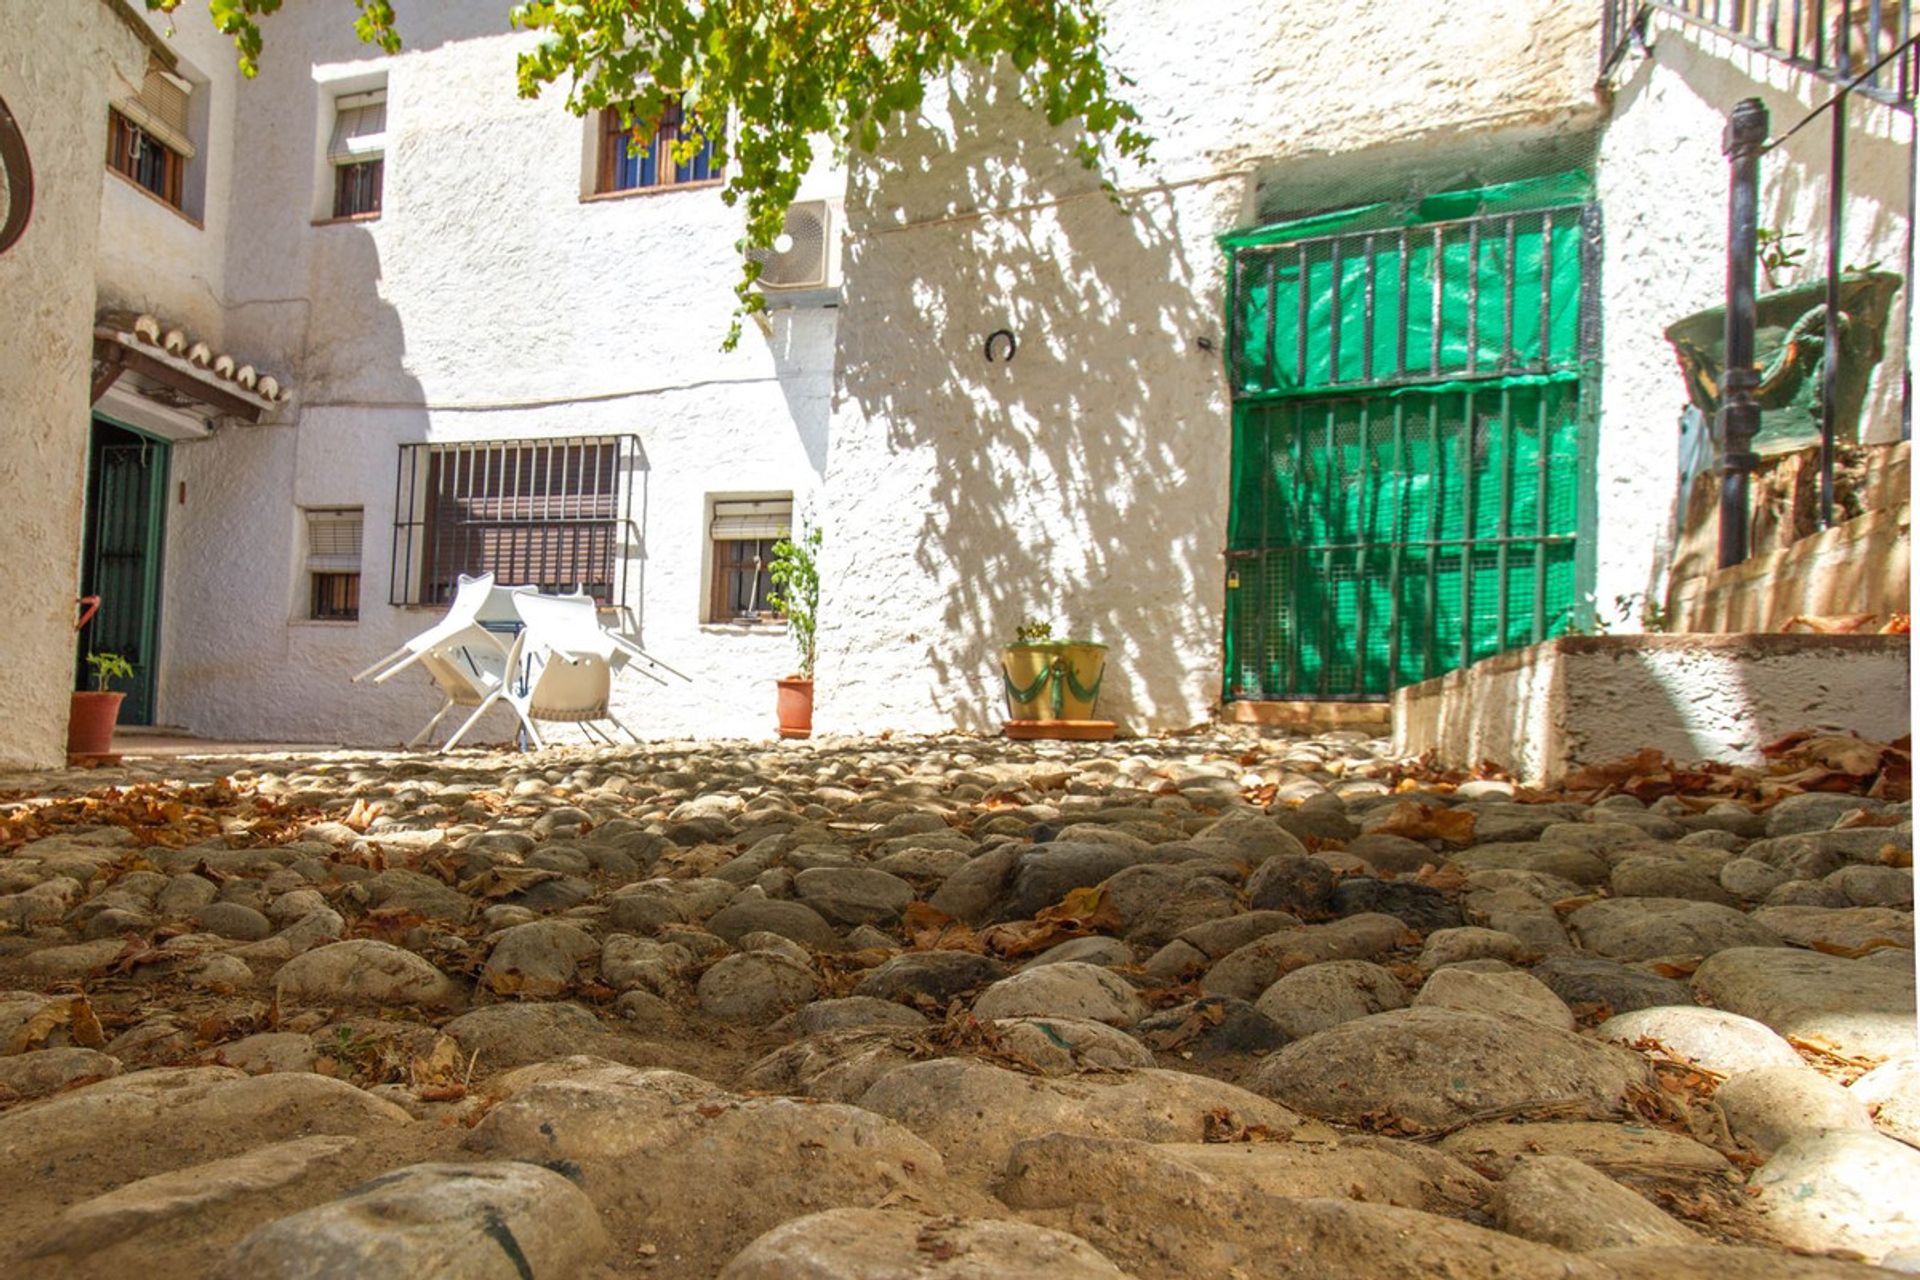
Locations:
(553, 513)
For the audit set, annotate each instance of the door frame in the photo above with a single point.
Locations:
(152, 588)
(1581, 372)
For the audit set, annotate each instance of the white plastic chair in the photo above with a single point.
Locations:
(468, 663)
(624, 650)
(560, 670)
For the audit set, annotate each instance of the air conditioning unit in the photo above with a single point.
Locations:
(806, 255)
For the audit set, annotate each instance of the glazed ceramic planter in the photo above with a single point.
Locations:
(1053, 679)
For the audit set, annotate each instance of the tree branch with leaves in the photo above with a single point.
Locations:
(767, 79)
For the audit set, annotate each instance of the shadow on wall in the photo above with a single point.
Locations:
(1079, 477)
(250, 664)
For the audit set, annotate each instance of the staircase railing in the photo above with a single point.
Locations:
(1834, 39)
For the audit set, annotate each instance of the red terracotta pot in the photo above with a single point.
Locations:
(90, 723)
(796, 708)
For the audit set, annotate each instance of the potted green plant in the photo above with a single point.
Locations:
(1048, 679)
(93, 713)
(795, 571)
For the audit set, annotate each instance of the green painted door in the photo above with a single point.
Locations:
(1413, 396)
(126, 526)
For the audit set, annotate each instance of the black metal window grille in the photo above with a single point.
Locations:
(553, 514)
(336, 597)
(1835, 39)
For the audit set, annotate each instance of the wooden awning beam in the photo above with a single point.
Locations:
(207, 391)
(111, 367)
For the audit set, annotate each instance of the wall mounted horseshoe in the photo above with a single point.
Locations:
(16, 180)
(1002, 339)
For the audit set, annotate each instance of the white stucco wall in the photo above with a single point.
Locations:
(1086, 481)
(157, 259)
(1581, 701)
(57, 90)
(1663, 187)
(488, 301)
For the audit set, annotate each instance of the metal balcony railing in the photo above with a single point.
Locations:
(1835, 39)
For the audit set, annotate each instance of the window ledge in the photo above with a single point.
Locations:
(744, 628)
(323, 622)
(175, 210)
(599, 197)
(349, 218)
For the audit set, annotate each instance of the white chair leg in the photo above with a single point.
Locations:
(622, 726)
(432, 724)
(396, 669)
(472, 720)
(397, 653)
(533, 734)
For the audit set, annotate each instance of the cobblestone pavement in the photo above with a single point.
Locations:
(1204, 1005)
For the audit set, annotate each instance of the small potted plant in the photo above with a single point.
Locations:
(795, 572)
(93, 713)
(1051, 680)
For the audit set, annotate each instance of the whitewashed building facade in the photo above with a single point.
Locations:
(494, 341)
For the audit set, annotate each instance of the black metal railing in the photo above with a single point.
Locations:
(1835, 39)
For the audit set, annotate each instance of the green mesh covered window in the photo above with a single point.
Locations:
(1410, 410)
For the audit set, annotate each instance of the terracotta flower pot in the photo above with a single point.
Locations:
(796, 708)
(90, 723)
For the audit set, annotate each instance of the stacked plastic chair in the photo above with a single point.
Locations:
(559, 668)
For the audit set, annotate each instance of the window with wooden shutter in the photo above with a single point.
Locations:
(357, 151)
(147, 135)
(743, 531)
(333, 562)
(553, 514)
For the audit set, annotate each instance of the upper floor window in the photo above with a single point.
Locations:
(357, 153)
(147, 140)
(628, 163)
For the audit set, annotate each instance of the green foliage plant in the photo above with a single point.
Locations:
(795, 571)
(1033, 631)
(768, 79)
(106, 667)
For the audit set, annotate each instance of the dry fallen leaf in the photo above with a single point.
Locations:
(443, 1074)
(501, 882)
(1416, 821)
(1081, 913)
(361, 815)
(1854, 953)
